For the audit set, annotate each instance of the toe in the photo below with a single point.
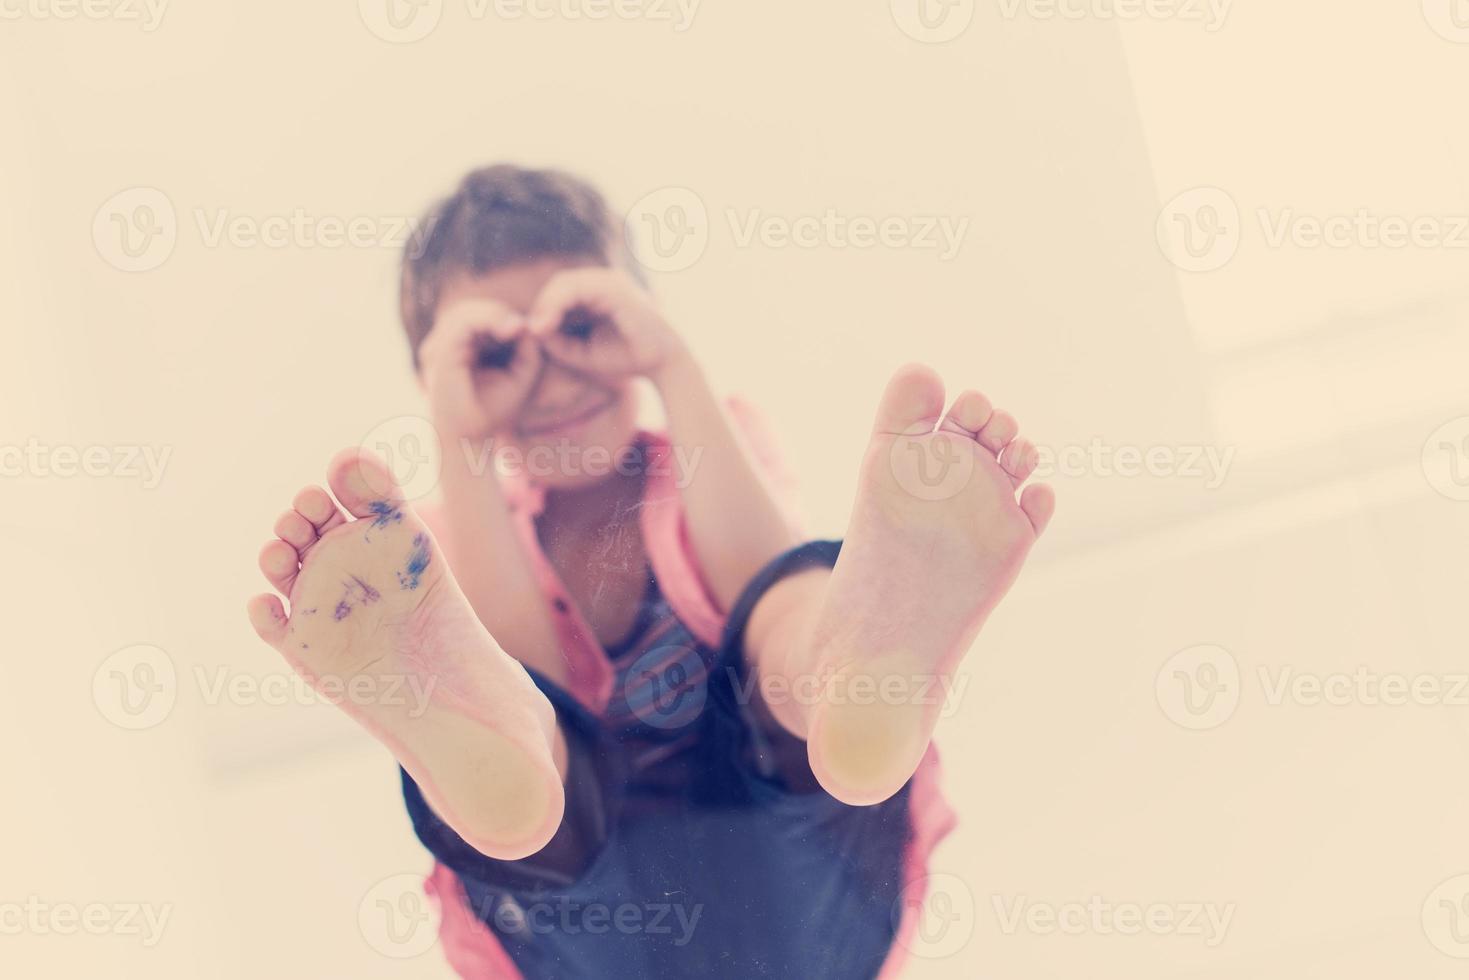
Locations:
(296, 531)
(360, 481)
(970, 413)
(1019, 459)
(998, 431)
(268, 617)
(1039, 503)
(318, 507)
(912, 403)
(280, 563)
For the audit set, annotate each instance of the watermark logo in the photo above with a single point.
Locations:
(668, 230)
(932, 466)
(1199, 688)
(1209, 465)
(831, 229)
(147, 14)
(396, 918)
(1446, 459)
(401, 21)
(1200, 229)
(1210, 13)
(136, 687)
(135, 230)
(1446, 917)
(409, 446)
(896, 687)
(667, 687)
(570, 918)
(407, 21)
(1096, 916)
(1448, 18)
(36, 459)
(942, 912)
(933, 21)
(1362, 688)
(38, 917)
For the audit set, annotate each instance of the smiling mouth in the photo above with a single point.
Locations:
(561, 423)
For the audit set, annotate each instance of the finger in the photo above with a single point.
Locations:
(593, 289)
(529, 362)
(458, 326)
(604, 353)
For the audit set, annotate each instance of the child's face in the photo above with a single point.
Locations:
(569, 428)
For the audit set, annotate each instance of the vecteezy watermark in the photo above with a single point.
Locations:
(831, 229)
(123, 462)
(396, 918)
(1448, 18)
(1446, 917)
(667, 687)
(223, 685)
(932, 21)
(1211, 14)
(1446, 459)
(133, 920)
(565, 460)
(138, 687)
(1201, 687)
(857, 687)
(412, 449)
(932, 466)
(1198, 688)
(1096, 916)
(1208, 464)
(1363, 687)
(147, 14)
(572, 918)
(407, 21)
(1201, 230)
(137, 230)
(669, 229)
(938, 465)
(934, 916)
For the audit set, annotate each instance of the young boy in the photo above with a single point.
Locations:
(665, 738)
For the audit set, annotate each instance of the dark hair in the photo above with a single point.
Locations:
(501, 216)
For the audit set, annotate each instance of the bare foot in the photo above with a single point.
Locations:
(928, 554)
(379, 626)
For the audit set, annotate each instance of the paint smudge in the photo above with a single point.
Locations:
(357, 590)
(418, 560)
(369, 594)
(384, 513)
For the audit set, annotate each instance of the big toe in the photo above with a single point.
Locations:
(912, 403)
(361, 482)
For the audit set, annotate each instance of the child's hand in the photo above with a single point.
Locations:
(600, 321)
(479, 363)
